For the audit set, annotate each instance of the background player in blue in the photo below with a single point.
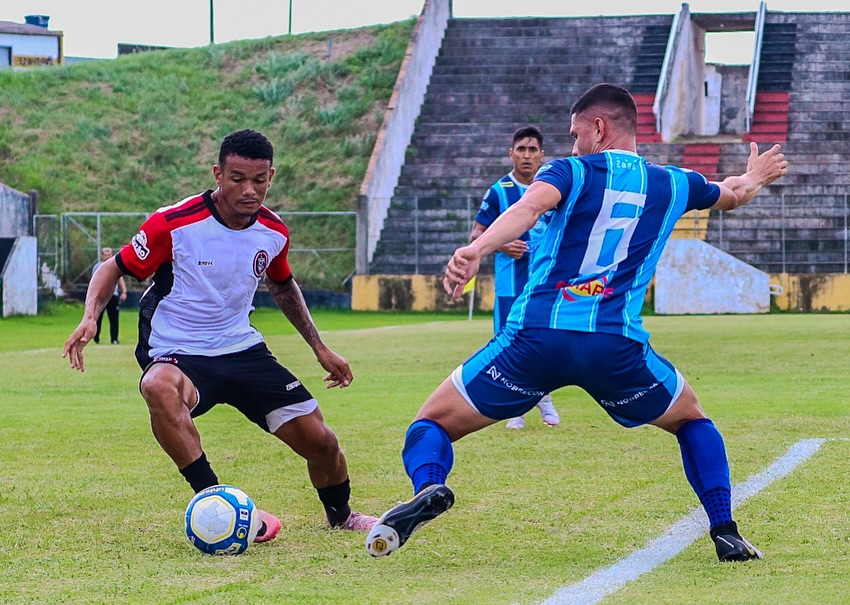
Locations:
(578, 320)
(512, 259)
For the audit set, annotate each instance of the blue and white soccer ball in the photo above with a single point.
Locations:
(222, 520)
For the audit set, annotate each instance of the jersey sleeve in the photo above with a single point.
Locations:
(489, 210)
(279, 269)
(148, 250)
(559, 174)
(701, 193)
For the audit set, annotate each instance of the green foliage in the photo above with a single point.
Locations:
(98, 507)
(142, 131)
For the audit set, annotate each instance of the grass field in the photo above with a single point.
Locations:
(92, 508)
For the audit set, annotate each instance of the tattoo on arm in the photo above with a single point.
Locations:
(288, 297)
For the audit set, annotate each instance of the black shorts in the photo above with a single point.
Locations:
(252, 381)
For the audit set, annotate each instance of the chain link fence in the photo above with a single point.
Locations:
(322, 246)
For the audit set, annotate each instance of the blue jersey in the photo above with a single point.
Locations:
(511, 274)
(595, 260)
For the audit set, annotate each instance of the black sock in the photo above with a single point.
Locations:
(730, 528)
(262, 531)
(335, 500)
(199, 474)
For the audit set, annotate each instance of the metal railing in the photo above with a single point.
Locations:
(421, 234)
(666, 66)
(752, 79)
(321, 256)
(786, 233)
(789, 233)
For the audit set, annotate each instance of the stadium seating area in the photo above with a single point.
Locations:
(493, 75)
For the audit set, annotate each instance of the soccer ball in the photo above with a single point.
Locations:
(222, 520)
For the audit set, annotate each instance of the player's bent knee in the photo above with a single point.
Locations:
(326, 445)
(163, 391)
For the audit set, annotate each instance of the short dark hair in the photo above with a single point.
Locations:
(248, 144)
(525, 132)
(616, 100)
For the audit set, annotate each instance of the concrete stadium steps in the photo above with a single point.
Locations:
(494, 75)
(770, 118)
(803, 102)
(646, 119)
(703, 158)
(491, 77)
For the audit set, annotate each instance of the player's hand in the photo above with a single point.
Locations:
(768, 166)
(515, 249)
(78, 339)
(462, 267)
(122, 297)
(339, 372)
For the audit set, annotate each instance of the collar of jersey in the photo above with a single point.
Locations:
(217, 216)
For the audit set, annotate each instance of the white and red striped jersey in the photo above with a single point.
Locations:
(205, 277)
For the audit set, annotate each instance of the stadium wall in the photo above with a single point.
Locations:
(415, 293)
(15, 212)
(816, 292)
(388, 155)
(19, 278)
(820, 292)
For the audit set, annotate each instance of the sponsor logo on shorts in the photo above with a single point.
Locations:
(261, 262)
(496, 376)
(140, 245)
(574, 291)
(166, 359)
(293, 385)
(613, 404)
(206, 263)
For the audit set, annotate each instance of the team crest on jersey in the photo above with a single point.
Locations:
(261, 262)
(544, 168)
(140, 245)
(595, 287)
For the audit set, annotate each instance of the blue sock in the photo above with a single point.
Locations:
(427, 455)
(707, 468)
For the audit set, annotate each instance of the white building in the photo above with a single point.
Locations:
(29, 44)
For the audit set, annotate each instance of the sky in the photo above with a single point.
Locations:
(93, 28)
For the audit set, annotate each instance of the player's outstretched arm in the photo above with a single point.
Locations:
(515, 249)
(762, 170)
(516, 220)
(288, 297)
(101, 287)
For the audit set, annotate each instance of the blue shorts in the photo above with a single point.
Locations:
(508, 376)
(501, 309)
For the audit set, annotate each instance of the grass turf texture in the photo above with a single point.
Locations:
(93, 508)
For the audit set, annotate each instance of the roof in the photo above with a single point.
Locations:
(25, 29)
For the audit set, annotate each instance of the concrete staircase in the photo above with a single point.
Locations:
(491, 77)
(800, 224)
(494, 75)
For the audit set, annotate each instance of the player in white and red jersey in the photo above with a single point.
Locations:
(197, 347)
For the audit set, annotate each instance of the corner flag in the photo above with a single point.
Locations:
(470, 287)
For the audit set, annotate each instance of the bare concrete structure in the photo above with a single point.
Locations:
(493, 75)
(18, 255)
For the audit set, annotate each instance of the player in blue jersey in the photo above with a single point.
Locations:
(578, 320)
(512, 259)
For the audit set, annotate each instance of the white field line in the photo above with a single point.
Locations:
(598, 585)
